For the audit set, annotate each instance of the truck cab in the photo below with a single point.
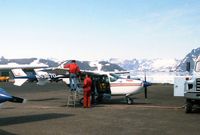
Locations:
(192, 89)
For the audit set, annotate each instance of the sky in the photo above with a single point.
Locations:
(99, 29)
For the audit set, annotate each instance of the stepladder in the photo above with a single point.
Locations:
(72, 99)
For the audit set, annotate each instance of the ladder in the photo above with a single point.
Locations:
(72, 98)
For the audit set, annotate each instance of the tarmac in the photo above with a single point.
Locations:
(46, 113)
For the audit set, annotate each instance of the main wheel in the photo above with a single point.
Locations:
(81, 101)
(99, 98)
(129, 100)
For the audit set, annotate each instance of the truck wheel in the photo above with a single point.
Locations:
(188, 107)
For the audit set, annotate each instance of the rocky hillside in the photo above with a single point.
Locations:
(84, 65)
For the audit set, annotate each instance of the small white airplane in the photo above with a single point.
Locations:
(107, 84)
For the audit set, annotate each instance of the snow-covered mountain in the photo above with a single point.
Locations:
(153, 65)
(158, 65)
(28, 61)
(190, 57)
(84, 65)
(115, 64)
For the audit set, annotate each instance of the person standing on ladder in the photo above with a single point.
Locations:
(87, 91)
(74, 71)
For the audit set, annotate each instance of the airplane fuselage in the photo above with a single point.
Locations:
(126, 87)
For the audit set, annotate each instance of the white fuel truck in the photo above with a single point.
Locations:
(189, 87)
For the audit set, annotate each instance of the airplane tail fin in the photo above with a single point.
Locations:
(19, 82)
(17, 100)
(18, 73)
(20, 76)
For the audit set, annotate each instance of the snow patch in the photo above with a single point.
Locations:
(96, 64)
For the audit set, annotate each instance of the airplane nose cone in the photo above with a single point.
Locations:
(146, 84)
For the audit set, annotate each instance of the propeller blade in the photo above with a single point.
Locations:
(145, 85)
(145, 92)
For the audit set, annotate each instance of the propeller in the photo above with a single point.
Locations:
(146, 84)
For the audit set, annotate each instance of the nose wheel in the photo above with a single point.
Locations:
(129, 100)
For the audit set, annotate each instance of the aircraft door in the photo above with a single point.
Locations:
(102, 87)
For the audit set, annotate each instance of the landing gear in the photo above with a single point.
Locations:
(188, 106)
(129, 100)
(97, 100)
(81, 101)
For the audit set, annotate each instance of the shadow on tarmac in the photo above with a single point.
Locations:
(31, 118)
(2, 132)
(45, 99)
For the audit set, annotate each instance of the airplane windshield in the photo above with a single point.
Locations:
(197, 67)
(114, 77)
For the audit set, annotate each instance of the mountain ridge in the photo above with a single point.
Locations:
(116, 64)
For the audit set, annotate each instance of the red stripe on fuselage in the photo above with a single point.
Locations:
(125, 84)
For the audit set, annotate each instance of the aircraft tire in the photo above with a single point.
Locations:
(99, 99)
(129, 100)
(81, 101)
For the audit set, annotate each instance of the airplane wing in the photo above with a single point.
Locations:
(56, 70)
(5, 67)
(92, 72)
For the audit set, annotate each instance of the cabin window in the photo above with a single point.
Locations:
(112, 79)
(197, 67)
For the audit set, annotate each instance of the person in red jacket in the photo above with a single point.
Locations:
(87, 91)
(74, 71)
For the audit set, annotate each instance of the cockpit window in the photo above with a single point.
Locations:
(114, 77)
(197, 67)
